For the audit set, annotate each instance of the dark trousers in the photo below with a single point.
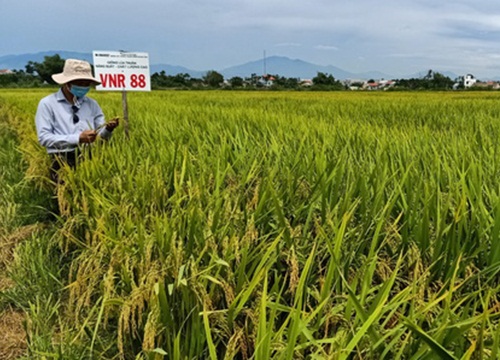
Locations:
(58, 161)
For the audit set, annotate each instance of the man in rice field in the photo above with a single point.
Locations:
(68, 118)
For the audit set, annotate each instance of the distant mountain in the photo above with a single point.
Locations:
(18, 62)
(176, 69)
(284, 66)
(275, 65)
(450, 74)
(421, 74)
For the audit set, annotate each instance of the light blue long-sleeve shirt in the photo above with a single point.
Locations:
(54, 122)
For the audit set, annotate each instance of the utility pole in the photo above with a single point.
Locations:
(265, 70)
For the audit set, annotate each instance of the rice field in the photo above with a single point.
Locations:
(270, 225)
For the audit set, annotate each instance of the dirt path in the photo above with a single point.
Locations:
(17, 206)
(12, 333)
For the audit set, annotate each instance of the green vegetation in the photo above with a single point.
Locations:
(38, 74)
(30, 277)
(44, 70)
(35, 74)
(268, 225)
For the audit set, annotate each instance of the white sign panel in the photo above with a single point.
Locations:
(122, 70)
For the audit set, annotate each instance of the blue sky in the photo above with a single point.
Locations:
(396, 37)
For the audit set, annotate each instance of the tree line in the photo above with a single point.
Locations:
(38, 74)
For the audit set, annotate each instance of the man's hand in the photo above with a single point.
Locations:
(88, 136)
(112, 124)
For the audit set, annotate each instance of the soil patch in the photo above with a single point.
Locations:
(12, 332)
(9, 242)
(12, 335)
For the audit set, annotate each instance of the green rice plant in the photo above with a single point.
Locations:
(285, 225)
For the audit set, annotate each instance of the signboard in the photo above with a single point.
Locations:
(122, 71)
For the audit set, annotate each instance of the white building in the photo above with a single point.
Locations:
(466, 81)
(469, 80)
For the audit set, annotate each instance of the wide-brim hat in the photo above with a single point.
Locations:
(75, 70)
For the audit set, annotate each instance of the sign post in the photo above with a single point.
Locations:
(125, 113)
(122, 71)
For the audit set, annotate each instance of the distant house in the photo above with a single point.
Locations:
(469, 80)
(487, 85)
(493, 85)
(386, 84)
(5, 71)
(306, 82)
(354, 84)
(266, 80)
(466, 81)
(371, 85)
(379, 85)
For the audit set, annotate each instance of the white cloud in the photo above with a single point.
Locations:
(391, 36)
(326, 47)
(288, 44)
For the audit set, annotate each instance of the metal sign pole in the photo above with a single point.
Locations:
(125, 113)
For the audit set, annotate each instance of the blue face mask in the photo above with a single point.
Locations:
(79, 91)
